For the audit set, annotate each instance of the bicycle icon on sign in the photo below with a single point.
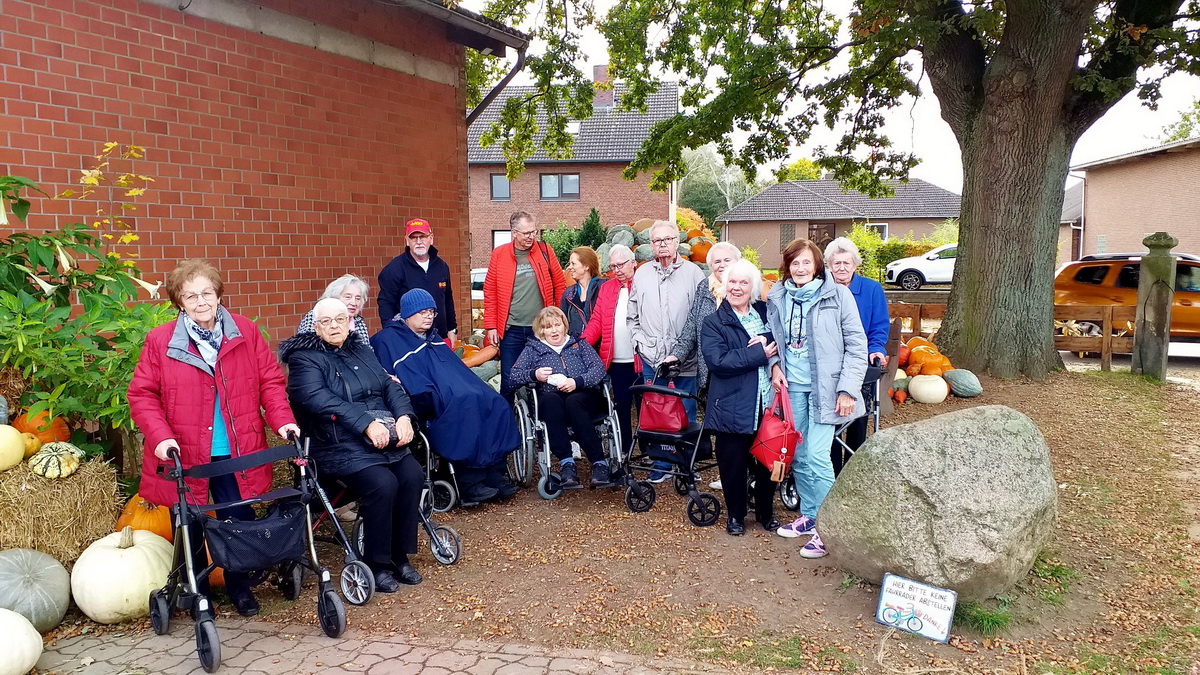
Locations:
(903, 617)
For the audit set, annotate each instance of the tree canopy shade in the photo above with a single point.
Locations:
(1018, 82)
(1187, 126)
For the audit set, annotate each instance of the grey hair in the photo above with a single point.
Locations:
(329, 307)
(737, 252)
(661, 224)
(335, 289)
(625, 251)
(745, 268)
(842, 245)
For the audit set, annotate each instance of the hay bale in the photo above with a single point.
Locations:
(58, 517)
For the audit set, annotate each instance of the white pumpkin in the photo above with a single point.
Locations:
(112, 579)
(12, 447)
(928, 389)
(22, 644)
(900, 375)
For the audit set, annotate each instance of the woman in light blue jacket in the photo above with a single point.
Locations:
(824, 350)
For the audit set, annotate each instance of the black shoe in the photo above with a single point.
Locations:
(735, 527)
(600, 474)
(507, 490)
(771, 525)
(385, 582)
(568, 475)
(478, 493)
(244, 601)
(409, 575)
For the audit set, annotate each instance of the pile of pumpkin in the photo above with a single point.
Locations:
(482, 358)
(694, 243)
(925, 375)
(42, 442)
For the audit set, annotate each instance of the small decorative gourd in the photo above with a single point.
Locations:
(55, 460)
(114, 576)
(35, 586)
(928, 389)
(22, 644)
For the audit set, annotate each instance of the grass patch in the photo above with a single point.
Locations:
(988, 619)
(848, 580)
(767, 650)
(1050, 579)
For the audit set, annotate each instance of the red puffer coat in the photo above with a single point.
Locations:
(600, 326)
(173, 392)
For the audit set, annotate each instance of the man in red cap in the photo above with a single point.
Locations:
(419, 267)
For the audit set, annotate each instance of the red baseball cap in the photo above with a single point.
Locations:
(416, 225)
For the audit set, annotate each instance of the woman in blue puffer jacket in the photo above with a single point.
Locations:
(566, 371)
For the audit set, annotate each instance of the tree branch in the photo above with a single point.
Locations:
(956, 62)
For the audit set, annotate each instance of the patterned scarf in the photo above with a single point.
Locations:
(207, 341)
(799, 296)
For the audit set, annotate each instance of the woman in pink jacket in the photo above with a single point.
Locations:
(200, 387)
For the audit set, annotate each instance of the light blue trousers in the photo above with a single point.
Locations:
(812, 468)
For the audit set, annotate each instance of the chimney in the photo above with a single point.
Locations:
(602, 98)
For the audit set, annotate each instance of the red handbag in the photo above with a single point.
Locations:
(662, 413)
(777, 438)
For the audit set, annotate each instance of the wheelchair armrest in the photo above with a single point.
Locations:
(660, 389)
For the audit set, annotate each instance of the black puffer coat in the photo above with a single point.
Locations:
(331, 390)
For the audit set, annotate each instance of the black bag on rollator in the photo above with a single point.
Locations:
(248, 545)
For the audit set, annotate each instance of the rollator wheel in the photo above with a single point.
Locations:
(704, 510)
(750, 485)
(788, 495)
(550, 486)
(681, 485)
(426, 504)
(444, 496)
(160, 612)
(358, 582)
(639, 496)
(208, 646)
(446, 545)
(358, 537)
(292, 581)
(331, 613)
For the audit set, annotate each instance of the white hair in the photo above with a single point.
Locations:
(626, 253)
(329, 307)
(842, 245)
(737, 252)
(747, 269)
(335, 289)
(664, 225)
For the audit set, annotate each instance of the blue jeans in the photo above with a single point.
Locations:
(511, 346)
(811, 467)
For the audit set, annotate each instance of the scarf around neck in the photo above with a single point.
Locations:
(798, 296)
(207, 341)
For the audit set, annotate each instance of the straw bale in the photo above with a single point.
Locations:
(58, 517)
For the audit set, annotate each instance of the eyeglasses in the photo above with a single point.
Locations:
(664, 240)
(616, 266)
(528, 233)
(428, 313)
(190, 298)
(327, 321)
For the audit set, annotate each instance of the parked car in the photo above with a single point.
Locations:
(935, 267)
(477, 276)
(1112, 279)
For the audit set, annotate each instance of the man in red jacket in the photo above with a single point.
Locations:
(522, 278)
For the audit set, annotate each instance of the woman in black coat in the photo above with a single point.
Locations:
(740, 354)
(359, 420)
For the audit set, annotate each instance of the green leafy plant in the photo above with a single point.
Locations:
(750, 253)
(562, 238)
(592, 233)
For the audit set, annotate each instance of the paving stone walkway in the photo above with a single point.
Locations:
(260, 648)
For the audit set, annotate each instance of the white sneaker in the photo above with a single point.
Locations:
(715, 485)
(348, 513)
(576, 451)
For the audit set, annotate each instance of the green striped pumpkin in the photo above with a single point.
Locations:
(56, 460)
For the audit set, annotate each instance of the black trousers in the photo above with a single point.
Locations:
(576, 409)
(388, 498)
(734, 462)
(623, 377)
(856, 435)
(222, 489)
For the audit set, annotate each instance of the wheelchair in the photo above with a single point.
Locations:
(535, 442)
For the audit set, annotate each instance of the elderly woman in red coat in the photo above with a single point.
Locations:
(200, 387)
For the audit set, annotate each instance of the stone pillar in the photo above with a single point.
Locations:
(1156, 294)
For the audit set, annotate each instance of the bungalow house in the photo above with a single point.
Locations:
(556, 190)
(289, 141)
(1131, 195)
(1070, 225)
(822, 210)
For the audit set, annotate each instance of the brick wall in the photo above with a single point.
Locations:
(600, 186)
(768, 236)
(1126, 201)
(284, 165)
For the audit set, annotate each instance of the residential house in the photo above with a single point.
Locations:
(822, 210)
(289, 140)
(1070, 225)
(556, 190)
(1132, 195)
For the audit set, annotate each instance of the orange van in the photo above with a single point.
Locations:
(1112, 279)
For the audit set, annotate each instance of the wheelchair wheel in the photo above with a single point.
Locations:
(520, 461)
(788, 494)
(358, 537)
(291, 580)
(704, 510)
(426, 503)
(331, 613)
(549, 486)
(208, 646)
(681, 485)
(639, 496)
(444, 496)
(160, 612)
(446, 545)
(358, 582)
(610, 437)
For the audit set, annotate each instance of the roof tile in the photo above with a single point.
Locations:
(825, 199)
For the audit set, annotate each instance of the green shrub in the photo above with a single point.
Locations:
(868, 241)
(750, 253)
(894, 248)
(592, 233)
(562, 238)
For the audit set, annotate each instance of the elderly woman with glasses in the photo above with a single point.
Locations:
(608, 329)
(360, 421)
(201, 387)
(352, 291)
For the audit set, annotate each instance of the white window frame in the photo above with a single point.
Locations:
(882, 234)
(501, 237)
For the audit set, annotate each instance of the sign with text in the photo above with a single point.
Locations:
(916, 608)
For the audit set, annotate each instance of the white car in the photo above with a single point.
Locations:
(935, 267)
(477, 276)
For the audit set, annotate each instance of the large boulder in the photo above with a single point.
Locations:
(964, 500)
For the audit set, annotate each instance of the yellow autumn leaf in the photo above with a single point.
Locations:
(135, 192)
(66, 193)
(90, 177)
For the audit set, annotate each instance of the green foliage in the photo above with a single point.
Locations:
(711, 187)
(868, 241)
(592, 233)
(1187, 126)
(945, 232)
(562, 238)
(801, 169)
(894, 248)
(988, 619)
(750, 253)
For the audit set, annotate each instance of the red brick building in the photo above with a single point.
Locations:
(567, 190)
(289, 139)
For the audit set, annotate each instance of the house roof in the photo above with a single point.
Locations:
(494, 34)
(825, 199)
(1177, 146)
(609, 135)
(1072, 210)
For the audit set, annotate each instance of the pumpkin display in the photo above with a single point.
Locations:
(928, 389)
(932, 368)
(963, 383)
(918, 341)
(913, 370)
(35, 586)
(643, 224)
(46, 428)
(142, 515)
(55, 460)
(700, 251)
(115, 574)
(901, 396)
(919, 356)
(12, 447)
(481, 356)
(693, 233)
(902, 354)
(900, 384)
(32, 443)
(22, 644)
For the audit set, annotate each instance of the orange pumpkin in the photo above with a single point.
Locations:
(46, 429)
(918, 341)
(700, 251)
(217, 576)
(902, 354)
(919, 356)
(901, 396)
(932, 368)
(142, 515)
(693, 233)
(481, 356)
(946, 365)
(913, 370)
(469, 350)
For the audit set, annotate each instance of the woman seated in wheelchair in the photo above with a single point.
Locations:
(565, 371)
(467, 422)
(359, 420)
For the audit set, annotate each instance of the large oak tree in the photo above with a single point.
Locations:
(1018, 82)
